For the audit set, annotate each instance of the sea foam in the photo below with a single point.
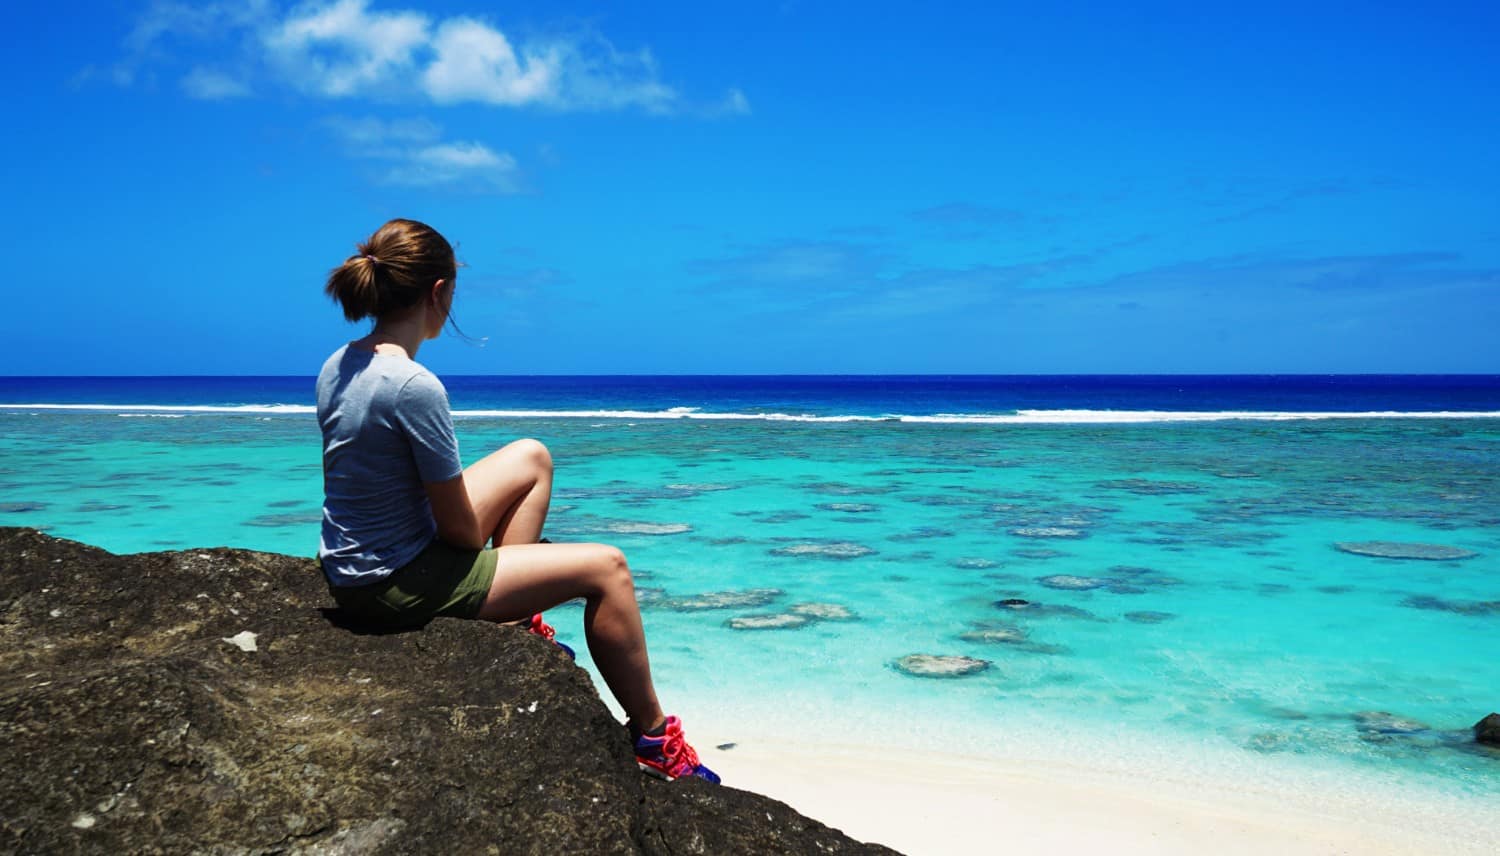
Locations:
(1019, 417)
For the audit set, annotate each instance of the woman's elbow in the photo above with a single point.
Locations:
(465, 537)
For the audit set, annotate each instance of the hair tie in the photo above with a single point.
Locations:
(372, 259)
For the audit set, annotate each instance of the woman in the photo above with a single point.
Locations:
(405, 525)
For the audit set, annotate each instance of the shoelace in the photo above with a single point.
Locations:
(542, 628)
(681, 757)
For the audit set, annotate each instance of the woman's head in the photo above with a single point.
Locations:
(392, 271)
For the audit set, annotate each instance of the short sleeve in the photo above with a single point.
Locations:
(422, 412)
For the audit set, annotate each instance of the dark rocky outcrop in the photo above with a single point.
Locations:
(134, 719)
(1487, 730)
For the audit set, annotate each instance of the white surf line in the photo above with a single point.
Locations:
(1020, 417)
(1097, 417)
(169, 408)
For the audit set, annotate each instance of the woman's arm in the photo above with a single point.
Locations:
(454, 514)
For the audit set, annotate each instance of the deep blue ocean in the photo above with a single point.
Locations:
(1288, 580)
(866, 396)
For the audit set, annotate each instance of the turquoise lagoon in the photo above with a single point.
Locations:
(1188, 605)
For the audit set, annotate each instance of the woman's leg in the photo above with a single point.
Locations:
(533, 577)
(510, 491)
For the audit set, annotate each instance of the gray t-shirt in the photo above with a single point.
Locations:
(386, 432)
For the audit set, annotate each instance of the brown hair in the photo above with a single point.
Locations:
(392, 270)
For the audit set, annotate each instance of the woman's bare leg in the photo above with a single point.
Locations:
(510, 491)
(534, 577)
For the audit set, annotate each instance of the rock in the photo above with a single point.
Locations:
(1461, 607)
(699, 488)
(1397, 550)
(1147, 616)
(824, 611)
(1487, 730)
(1382, 722)
(994, 635)
(624, 527)
(243, 640)
(940, 665)
(1038, 553)
(1047, 532)
(1044, 610)
(830, 550)
(1069, 582)
(748, 598)
(130, 726)
(772, 621)
(1269, 741)
(21, 507)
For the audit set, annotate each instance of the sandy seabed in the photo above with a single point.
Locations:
(921, 802)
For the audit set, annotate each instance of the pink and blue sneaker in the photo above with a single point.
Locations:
(668, 755)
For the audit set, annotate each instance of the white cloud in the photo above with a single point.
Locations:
(467, 166)
(213, 85)
(368, 135)
(593, 75)
(343, 49)
(347, 49)
(167, 21)
(477, 63)
(413, 153)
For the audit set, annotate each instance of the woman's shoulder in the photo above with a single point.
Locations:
(419, 382)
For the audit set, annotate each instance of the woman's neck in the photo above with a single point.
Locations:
(399, 337)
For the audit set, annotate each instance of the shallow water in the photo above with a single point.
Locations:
(1179, 580)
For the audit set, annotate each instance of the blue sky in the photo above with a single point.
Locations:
(793, 188)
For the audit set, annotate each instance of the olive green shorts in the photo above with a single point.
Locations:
(441, 580)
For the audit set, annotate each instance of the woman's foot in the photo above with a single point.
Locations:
(667, 754)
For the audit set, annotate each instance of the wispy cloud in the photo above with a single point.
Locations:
(795, 264)
(344, 49)
(1380, 276)
(211, 85)
(734, 103)
(412, 153)
(167, 25)
(847, 280)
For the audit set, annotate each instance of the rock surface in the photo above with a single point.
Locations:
(131, 720)
(1399, 550)
(1487, 730)
(940, 665)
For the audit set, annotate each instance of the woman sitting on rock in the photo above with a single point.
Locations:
(405, 525)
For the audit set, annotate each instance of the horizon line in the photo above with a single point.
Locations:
(1308, 374)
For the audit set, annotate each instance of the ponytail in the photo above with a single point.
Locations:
(392, 270)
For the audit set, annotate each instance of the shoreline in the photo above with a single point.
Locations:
(925, 802)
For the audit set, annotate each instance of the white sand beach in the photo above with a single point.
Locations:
(925, 803)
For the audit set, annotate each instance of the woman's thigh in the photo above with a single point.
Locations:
(530, 578)
(501, 479)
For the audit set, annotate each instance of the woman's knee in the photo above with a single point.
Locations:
(534, 453)
(612, 570)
